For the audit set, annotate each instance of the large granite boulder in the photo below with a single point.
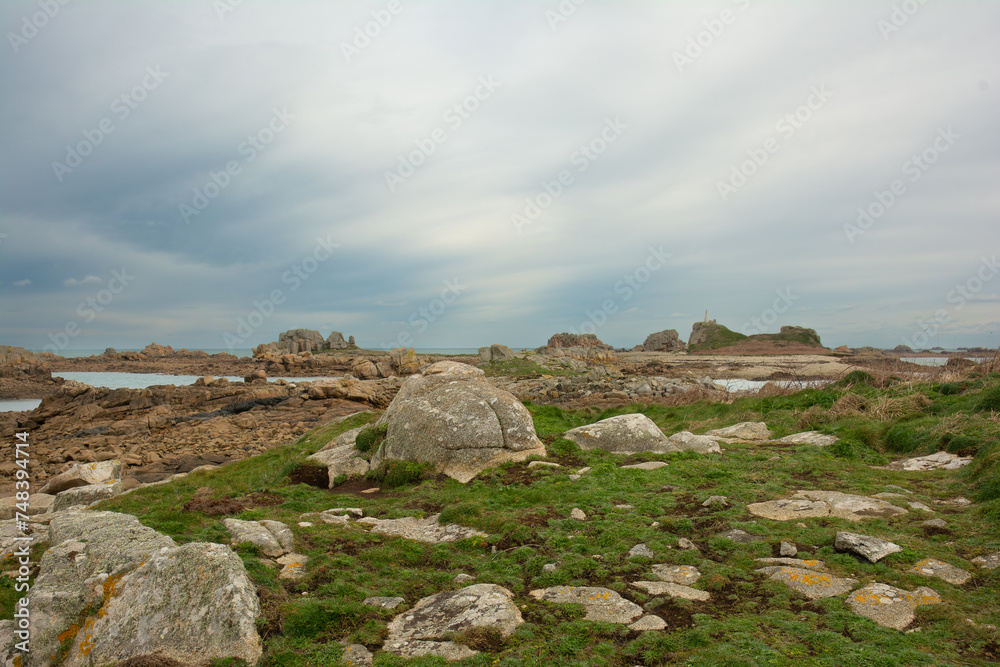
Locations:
(115, 589)
(625, 434)
(451, 417)
(663, 341)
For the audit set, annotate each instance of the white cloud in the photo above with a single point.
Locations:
(22, 283)
(73, 282)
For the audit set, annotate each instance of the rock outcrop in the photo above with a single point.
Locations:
(663, 341)
(451, 417)
(295, 341)
(576, 340)
(495, 353)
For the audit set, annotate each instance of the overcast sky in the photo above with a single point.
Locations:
(207, 174)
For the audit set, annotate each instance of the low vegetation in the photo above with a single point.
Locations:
(750, 620)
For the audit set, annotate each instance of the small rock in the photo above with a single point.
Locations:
(787, 549)
(920, 506)
(685, 543)
(677, 574)
(871, 548)
(578, 514)
(356, 655)
(888, 606)
(989, 561)
(383, 602)
(930, 567)
(601, 604)
(421, 530)
(814, 585)
(549, 567)
(794, 562)
(809, 438)
(293, 566)
(957, 501)
(744, 431)
(939, 524)
(353, 511)
(463, 578)
(713, 501)
(574, 478)
(640, 550)
(648, 622)
(252, 532)
(740, 536)
(543, 464)
(673, 590)
(648, 465)
(583, 471)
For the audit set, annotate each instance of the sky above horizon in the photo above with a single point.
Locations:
(210, 173)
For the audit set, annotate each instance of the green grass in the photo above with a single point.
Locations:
(520, 367)
(525, 512)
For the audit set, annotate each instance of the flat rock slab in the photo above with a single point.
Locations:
(794, 562)
(808, 438)
(341, 460)
(741, 536)
(293, 567)
(813, 504)
(648, 622)
(641, 550)
(988, 562)
(357, 655)
(87, 495)
(872, 548)
(383, 602)
(685, 441)
(673, 590)
(937, 461)
(253, 532)
(601, 604)
(423, 629)
(744, 431)
(888, 606)
(930, 567)
(84, 474)
(814, 585)
(677, 574)
(625, 434)
(38, 503)
(421, 530)
(648, 465)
